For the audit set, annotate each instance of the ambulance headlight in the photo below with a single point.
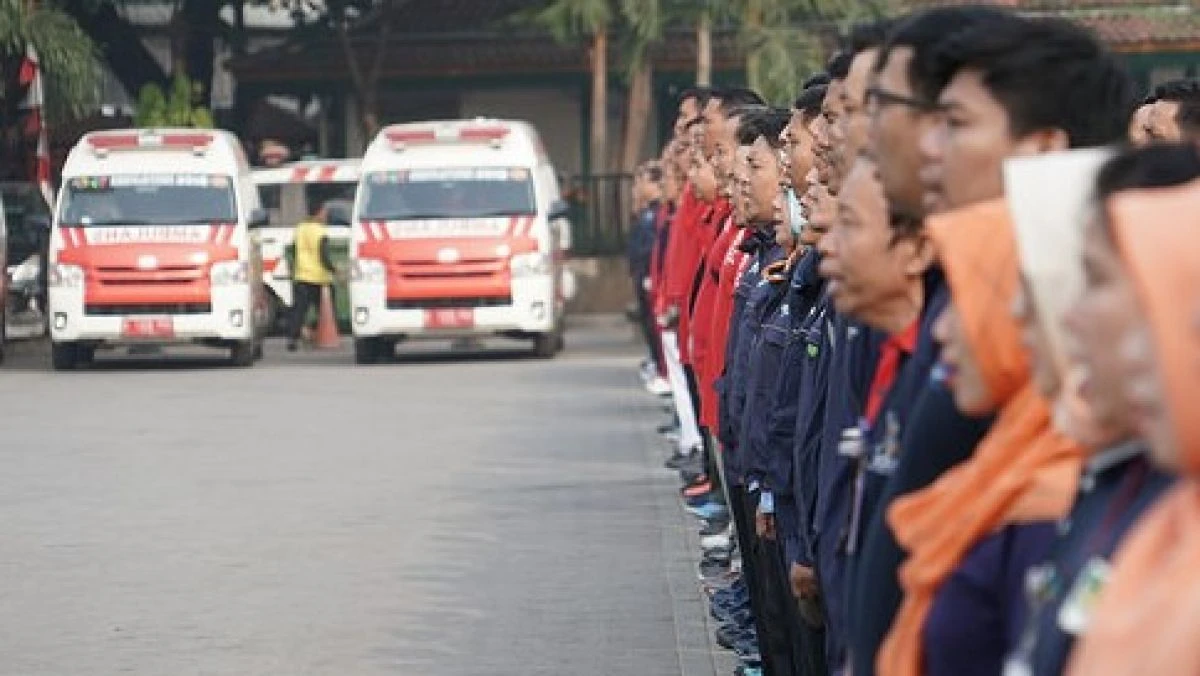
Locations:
(65, 276)
(368, 270)
(228, 273)
(530, 264)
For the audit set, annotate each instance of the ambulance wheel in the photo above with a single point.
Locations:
(64, 356)
(369, 350)
(85, 355)
(242, 353)
(545, 345)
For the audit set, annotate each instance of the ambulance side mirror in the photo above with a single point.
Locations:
(337, 216)
(559, 209)
(258, 219)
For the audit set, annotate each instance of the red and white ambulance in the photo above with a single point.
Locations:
(290, 193)
(459, 230)
(152, 244)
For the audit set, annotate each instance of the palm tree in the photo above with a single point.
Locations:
(69, 60)
(783, 38)
(572, 19)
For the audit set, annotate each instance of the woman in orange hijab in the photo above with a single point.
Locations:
(1148, 618)
(974, 532)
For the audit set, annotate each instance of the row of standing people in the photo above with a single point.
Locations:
(921, 357)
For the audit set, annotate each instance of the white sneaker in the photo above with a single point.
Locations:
(659, 386)
(720, 541)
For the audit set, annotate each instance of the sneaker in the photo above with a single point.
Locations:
(708, 511)
(701, 486)
(711, 570)
(714, 526)
(694, 467)
(727, 636)
(659, 386)
(678, 459)
(721, 541)
(291, 346)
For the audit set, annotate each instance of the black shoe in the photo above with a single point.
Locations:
(677, 460)
(714, 527)
(722, 559)
(292, 346)
(728, 636)
(709, 570)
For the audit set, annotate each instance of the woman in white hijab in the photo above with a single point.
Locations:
(1058, 215)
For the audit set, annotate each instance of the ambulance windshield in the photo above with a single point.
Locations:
(447, 193)
(148, 199)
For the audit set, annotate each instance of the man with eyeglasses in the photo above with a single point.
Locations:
(988, 72)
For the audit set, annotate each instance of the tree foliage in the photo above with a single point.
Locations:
(70, 62)
(176, 109)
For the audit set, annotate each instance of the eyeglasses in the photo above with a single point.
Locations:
(877, 98)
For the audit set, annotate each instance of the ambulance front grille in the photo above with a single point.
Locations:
(148, 309)
(437, 303)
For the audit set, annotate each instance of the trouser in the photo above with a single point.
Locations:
(685, 410)
(808, 641)
(743, 526)
(648, 325)
(305, 296)
(778, 608)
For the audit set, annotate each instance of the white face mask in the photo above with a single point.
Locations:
(795, 213)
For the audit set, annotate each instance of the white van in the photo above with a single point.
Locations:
(290, 193)
(459, 230)
(151, 243)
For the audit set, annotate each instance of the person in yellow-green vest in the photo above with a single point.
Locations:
(314, 270)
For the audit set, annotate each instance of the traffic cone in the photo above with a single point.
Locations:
(327, 331)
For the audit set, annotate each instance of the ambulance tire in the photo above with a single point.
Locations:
(369, 351)
(64, 356)
(241, 354)
(546, 345)
(85, 355)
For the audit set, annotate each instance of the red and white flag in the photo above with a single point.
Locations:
(31, 77)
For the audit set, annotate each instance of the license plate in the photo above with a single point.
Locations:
(450, 318)
(148, 328)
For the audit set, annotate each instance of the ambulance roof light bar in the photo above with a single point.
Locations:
(104, 143)
(492, 135)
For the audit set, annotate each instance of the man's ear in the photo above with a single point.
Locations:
(1043, 141)
(922, 257)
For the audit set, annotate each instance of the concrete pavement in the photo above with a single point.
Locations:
(447, 514)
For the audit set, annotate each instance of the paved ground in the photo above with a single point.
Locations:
(447, 514)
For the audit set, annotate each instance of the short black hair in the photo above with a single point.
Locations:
(701, 94)
(1160, 165)
(1046, 73)
(838, 66)
(810, 100)
(1178, 90)
(1153, 166)
(768, 123)
(923, 32)
(869, 35)
(816, 80)
(1185, 92)
(739, 96)
(1188, 119)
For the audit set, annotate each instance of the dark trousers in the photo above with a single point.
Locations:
(305, 296)
(752, 572)
(646, 323)
(808, 641)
